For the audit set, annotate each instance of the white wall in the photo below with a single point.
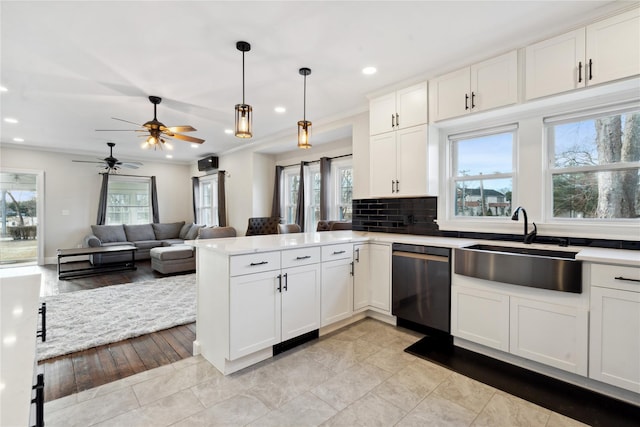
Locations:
(74, 188)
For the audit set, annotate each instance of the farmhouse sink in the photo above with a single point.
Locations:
(531, 267)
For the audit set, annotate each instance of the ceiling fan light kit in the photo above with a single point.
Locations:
(244, 112)
(304, 126)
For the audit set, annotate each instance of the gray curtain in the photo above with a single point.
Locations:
(154, 201)
(275, 205)
(102, 201)
(325, 187)
(222, 203)
(300, 206)
(195, 184)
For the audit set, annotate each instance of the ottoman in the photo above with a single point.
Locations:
(173, 259)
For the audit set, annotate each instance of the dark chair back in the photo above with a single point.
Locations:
(262, 225)
(340, 225)
(216, 232)
(289, 228)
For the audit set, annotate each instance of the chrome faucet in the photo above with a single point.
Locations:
(528, 237)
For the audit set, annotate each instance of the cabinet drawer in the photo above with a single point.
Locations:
(331, 252)
(254, 263)
(615, 276)
(302, 256)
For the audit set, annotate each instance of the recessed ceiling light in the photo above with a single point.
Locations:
(3, 89)
(195, 145)
(18, 139)
(280, 110)
(169, 156)
(228, 131)
(369, 70)
(10, 120)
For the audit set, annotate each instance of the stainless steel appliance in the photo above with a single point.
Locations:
(421, 286)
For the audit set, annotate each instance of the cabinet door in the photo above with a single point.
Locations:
(494, 83)
(383, 164)
(254, 313)
(613, 47)
(380, 274)
(361, 276)
(555, 65)
(382, 114)
(337, 291)
(300, 300)
(411, 161)
(411, 106)
(480, 316)
(552, 334)
(449, 95)
(614, 349)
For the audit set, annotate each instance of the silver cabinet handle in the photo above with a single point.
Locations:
(338, 252)
(393, 121)
(393, 188)
(397, 120)
(397, 186)
(358, 255)
(351, 267)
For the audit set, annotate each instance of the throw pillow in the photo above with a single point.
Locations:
(137, 233)
(167, 230)
(184, 230)
(109, 233)
(193, 232)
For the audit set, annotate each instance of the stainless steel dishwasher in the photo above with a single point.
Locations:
(421, 287)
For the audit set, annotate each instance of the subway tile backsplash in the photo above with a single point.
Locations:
(416, 215)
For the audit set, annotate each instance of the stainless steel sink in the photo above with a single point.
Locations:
(532, 267)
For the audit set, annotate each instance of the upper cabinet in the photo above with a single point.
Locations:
(604, 51)
(479, 87)
(398, 110)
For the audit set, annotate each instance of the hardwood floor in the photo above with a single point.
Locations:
(90, 368)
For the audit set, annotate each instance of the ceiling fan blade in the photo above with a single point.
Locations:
(117, 130)
(187, 138)
(87, 161)
(184, 128)
(126, 121)
(130, 165)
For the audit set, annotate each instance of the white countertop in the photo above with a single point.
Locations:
(19, 302)
(252, 244)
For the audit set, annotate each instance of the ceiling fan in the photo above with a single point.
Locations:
(111, 164)
(157, 131)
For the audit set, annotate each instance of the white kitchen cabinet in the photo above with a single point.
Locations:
(336, 302)
(614, 349)
(398, 110)
(604, 51)
(553, 334)
(480, 316)
(488, 84)
(399, 163)
(372, 277)
(254, 309)
(300, 300)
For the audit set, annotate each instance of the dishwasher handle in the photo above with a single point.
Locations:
(426, 257)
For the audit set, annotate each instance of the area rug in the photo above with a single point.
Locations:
(84, 319)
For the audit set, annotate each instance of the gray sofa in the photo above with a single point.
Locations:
(143, 236)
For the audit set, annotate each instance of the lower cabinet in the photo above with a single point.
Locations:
(372, 277)
(300, 300)
(337, 291)
(480, 316)
(553, 334)
(614, 350)
(548, 333)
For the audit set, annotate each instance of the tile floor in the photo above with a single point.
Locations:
(357, 376)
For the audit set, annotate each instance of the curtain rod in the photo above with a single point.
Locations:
(123, 174)
(318, 161)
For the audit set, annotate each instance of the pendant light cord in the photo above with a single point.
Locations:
(242, 77)
(304, 101)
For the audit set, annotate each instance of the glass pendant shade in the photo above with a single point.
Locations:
(244, 112)
(244, 118)
(304, 132)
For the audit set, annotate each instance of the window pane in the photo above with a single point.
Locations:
(600, 141)
(484, 155)
(487, 197)
(128, 201)
(604, 194)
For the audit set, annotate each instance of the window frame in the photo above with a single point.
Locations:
(336, 189)
(550, 169)
(288, 173)
(114, 179)
(204, 181)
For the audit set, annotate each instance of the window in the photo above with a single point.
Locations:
(482, 174)
(291, 177)
(129, 200)
(313, 208)
(342, 173)
(594, 165)
(208, 208)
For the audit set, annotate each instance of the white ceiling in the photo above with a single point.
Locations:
(71, 66)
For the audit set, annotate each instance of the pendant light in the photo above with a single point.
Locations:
(304, 126)
(243, 111)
